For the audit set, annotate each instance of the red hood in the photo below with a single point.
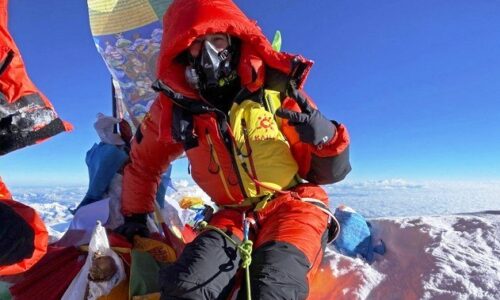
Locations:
(187, 19)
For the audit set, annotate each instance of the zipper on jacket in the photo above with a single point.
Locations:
(222, 120)
(220, 117)
(219, 171)
(249, 153)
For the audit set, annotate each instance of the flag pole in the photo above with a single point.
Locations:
(114, 106)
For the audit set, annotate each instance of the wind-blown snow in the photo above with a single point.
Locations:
(431, 254)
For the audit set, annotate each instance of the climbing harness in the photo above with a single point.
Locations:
(244, 248)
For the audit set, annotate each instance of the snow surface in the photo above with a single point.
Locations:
(435, 257)
(431, 254)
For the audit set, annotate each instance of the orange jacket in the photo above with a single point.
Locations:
(20, 99)
(36, 223)
(157, 144)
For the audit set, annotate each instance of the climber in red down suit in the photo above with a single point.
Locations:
(257, 145)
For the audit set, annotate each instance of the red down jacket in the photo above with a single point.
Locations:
(290, 238)
(26, 116)
(155, 146)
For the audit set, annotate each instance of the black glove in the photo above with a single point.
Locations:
(17, 239)
(134, 225)
(312, 127)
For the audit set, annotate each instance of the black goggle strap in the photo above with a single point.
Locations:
(193, 106)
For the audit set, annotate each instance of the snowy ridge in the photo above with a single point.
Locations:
(45, 194)
(441, 257)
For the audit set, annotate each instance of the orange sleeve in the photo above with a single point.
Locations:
(150, 157)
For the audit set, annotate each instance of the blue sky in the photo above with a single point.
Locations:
(416, 83)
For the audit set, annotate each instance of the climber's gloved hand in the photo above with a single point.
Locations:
(134, 225)
(313, 128)
(17, 238)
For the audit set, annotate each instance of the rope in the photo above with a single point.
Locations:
(320, 205)
(245, 250)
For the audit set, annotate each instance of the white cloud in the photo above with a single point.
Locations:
(383, 198)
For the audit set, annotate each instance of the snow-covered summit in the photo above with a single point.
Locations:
(434, 257)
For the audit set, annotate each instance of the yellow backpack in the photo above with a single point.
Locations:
(265, 161)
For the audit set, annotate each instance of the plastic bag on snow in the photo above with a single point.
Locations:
(82, 287)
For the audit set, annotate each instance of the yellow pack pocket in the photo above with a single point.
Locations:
(263, 152)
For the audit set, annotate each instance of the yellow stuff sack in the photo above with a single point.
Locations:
(262, 150)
